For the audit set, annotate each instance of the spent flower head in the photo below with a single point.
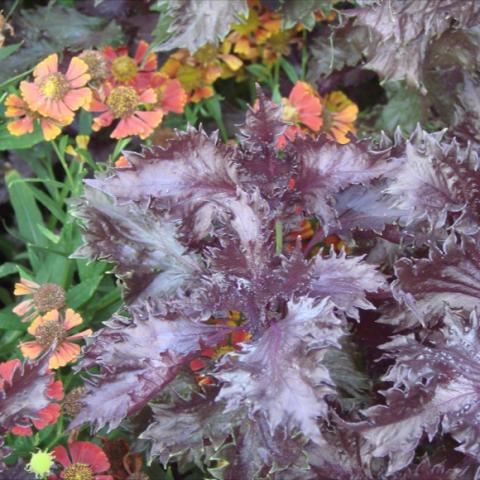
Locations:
(43, 298)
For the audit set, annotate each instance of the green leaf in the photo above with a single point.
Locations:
(10, 142)
(5, 52)
(54, 28)
(302, 11)
(9, 321)
(49, 234)
(260, 71)
(7, 269)
(404, 109)
(27, 213)
(289, 69)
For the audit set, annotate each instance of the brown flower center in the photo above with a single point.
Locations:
(124, 69)
(97, 65)
(54, 86)
(49, 297)
(122, 101)
(50, 331)
(78, 471)
(73, 403)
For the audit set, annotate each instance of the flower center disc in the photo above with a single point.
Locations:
(54, 86)
(122, 101)
(49, 297)
(289, 113)
(78, 471)
(48, 332)
(124, 69)
(97, 66)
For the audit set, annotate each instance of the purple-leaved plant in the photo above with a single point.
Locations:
(197, 230)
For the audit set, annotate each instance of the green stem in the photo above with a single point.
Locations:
(278, 237)
(61, 157)
(16, 77)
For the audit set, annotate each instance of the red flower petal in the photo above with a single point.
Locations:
(89, 454)
(61, 456)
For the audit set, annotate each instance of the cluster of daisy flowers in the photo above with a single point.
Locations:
(51, 323)
(309, 113)
(119, 89)
(257, 38)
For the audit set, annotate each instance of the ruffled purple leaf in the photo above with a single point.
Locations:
(401, 33)
(439, 182)
(433, 386)
(345, 281)
(283, 369)
(450, 276)
(193, 176)
(23, 390)
(195, 23)
(144, 246)
(326, 167)
(189, 426)
(255, 452)
(138, 359)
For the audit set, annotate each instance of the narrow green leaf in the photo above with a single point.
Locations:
(5, 52)
(7, 269)
(49, 234)
(289, 69)
(27, 213)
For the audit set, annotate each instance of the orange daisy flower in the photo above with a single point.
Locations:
(303, 108)
(25, 118)
(44, 417)
(44, 298)
(54, 94)
(171, 97)
(196, 78)
(124, 103)
(125, 70)
(340, 114)
(52, 328)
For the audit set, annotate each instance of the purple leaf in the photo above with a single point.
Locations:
(23, 390)
(401, 32)
(326, 167)
(145, 248)
(194, 175)
(138, 359)
(438, 179)
(198, 23)
(432, 386)
(189, 425)
(345, 280)
(449, 276)
(283, 369)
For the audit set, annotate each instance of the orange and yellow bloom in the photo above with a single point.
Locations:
(57, 95)
(52, 329)
(125, 104)
(171, 97)
(125, 70)
(309, 113)
(303, 109)
(25, 119)
(340, 114)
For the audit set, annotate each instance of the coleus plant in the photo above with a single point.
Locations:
(237, 345)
